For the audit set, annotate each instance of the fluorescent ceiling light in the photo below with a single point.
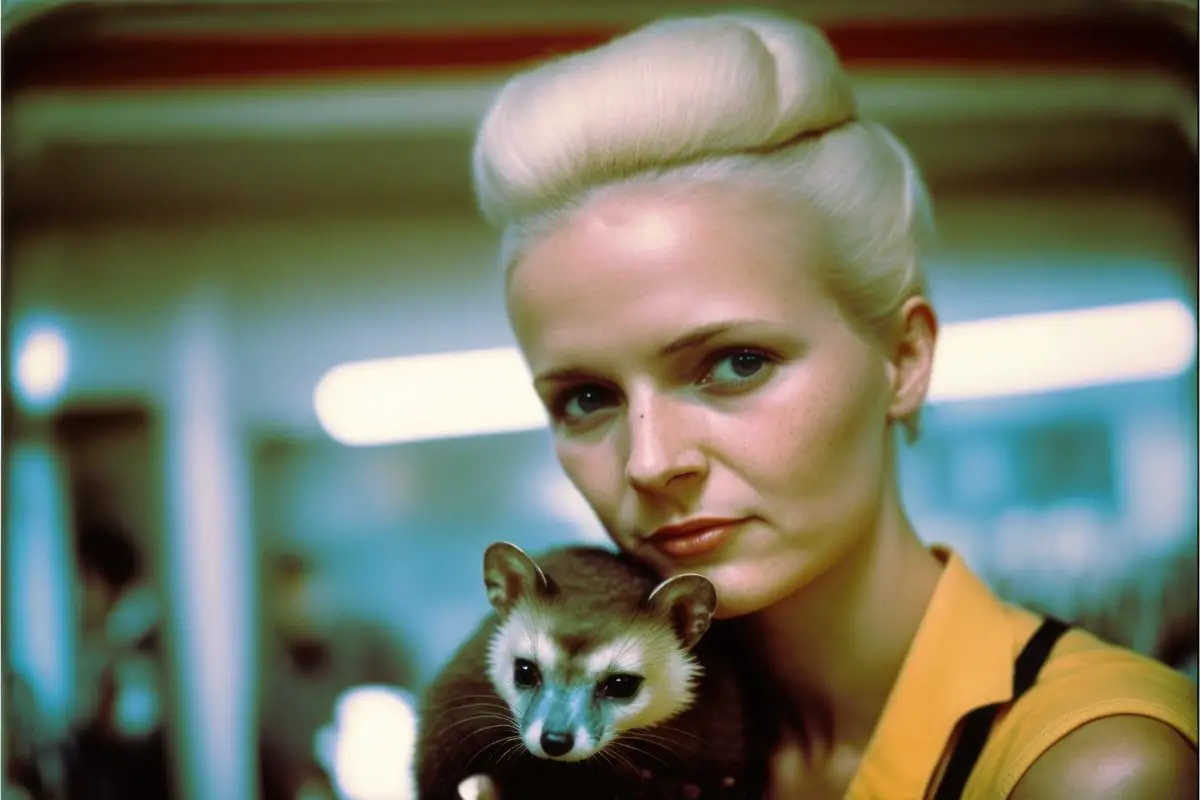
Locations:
(481, 392)
(1061, 350)
(428, 397)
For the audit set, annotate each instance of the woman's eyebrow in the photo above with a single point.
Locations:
(706, 333)
(693, 339)
(564, 375)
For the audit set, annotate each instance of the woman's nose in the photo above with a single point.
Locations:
(663, 447)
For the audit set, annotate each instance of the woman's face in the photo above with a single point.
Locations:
(697, 371)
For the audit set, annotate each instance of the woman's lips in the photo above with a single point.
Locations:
(692, 539)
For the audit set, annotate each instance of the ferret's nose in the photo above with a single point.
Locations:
(557, 744)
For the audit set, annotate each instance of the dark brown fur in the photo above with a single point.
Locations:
(723, 735)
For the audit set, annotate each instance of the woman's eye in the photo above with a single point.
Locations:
(579, 403)
(737, 368)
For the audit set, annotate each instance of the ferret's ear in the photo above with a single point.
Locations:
(510, 575)
(689, 602)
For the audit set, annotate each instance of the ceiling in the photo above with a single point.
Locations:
(176, 108)
(205, 178)
(352, 113)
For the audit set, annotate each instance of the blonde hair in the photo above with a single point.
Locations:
(750, 99)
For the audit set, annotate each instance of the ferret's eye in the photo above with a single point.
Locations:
(526, 674)
(619, 687)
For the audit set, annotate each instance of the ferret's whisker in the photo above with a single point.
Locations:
(654, 739)
(608, 758)
(490, 708)
(492, 727)
(486, 715)
(664, 726)
(466, 703)
(505, 720)
(617, 754)
(643, 751)
(501, 741)
(516, 748)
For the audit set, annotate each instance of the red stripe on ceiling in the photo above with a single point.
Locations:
(57, 58)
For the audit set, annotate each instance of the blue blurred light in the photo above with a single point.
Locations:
(42, 364)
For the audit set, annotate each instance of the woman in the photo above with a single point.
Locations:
(713, 269)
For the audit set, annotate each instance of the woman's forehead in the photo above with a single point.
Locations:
(648, 275)
(633, 233)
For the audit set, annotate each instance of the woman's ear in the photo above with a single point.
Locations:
(911, 358)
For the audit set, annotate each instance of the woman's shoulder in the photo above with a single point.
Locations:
(1088, 690)
(1082, 654)
(1114, 757)
(1087, 675)
(1082, 669)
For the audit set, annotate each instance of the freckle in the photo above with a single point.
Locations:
(647, 774)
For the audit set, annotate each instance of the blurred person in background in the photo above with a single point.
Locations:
(118, 750)
(314, 653)
(23, 768)
(714, 271)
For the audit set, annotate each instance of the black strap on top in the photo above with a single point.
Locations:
(977, 725)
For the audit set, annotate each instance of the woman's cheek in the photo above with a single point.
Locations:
(592, 478)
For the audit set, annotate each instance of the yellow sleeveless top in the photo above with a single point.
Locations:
(963, 657)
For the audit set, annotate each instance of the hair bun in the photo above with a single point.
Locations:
(668, 93)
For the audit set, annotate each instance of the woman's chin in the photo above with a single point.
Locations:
(734, 604)
(744, 589)
(745, 584)
(726, 611)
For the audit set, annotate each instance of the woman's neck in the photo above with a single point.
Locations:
(836, 647)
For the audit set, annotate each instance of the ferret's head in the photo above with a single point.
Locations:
(577, 672)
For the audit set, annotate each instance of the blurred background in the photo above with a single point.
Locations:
(262, 415)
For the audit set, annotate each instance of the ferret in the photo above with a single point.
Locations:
(594, 680)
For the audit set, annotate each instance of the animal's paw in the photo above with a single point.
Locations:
(478, 787)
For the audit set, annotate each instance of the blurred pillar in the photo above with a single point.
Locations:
(208, 570)
(39, 595)
(40, 583)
